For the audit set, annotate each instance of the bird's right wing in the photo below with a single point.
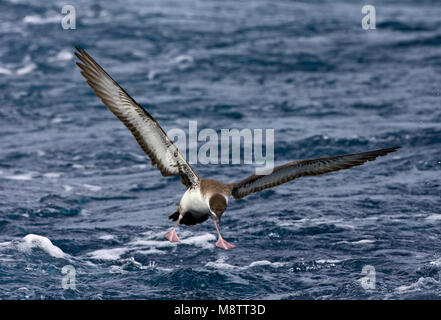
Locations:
(301, 168)
(146, 130)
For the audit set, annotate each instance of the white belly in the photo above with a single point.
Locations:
(192, 201)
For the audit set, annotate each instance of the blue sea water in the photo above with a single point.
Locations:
(76, 189)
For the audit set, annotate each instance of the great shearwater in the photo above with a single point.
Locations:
(203, 198)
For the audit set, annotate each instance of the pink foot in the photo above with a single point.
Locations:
(221, 243)
(172, 236)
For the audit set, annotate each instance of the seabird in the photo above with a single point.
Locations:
(203, 198)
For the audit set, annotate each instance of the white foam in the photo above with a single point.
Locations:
(323, 261)
(5, 71)
(92, 187)
(33, 241)
(152, 243)
(132, 260)
(283, 224)
(422, 283)
(201, 240)
(364, 241)
(26, 69)
(184, 58)
(221, 264)
(151, 251)
(23, 176)
(182, 62)
(164, 269)
(67, 188)
(57, 120)
(266, 263)
(107, 237)
(116, 269)
(434, 217)
(52, 175)
(436, 263)
(108, 254)
(5, 243)
(64, 55)
(273, 235)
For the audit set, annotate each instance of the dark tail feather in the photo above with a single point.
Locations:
(188, 219)
(174, 216)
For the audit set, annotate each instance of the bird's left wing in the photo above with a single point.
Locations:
(301, 168)
(146, 130)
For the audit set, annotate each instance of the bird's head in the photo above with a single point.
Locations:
(218, 205)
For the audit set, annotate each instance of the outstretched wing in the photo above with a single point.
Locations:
(146, 130)
(301, 168)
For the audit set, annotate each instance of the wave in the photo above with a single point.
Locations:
(434, 217)
(22, 177)
(63, 55)
(26, 69)
(221, 264)
(183, 62)
(91, 187)
(152, 245)
(108, 254)
(423, 283)
(5, 71)
(203, 241)
(33, 241)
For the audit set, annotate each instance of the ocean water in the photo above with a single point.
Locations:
(76, 189)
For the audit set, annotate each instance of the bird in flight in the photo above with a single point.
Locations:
(204, 198)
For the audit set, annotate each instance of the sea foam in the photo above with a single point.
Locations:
(108, 254)
(33, 241)
(221, 264)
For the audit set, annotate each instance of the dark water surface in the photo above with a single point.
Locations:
(72, 174)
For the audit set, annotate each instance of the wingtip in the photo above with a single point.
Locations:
(385, 151)
(391, 149)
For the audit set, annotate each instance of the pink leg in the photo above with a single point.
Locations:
(171, 235)
(221, 243)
